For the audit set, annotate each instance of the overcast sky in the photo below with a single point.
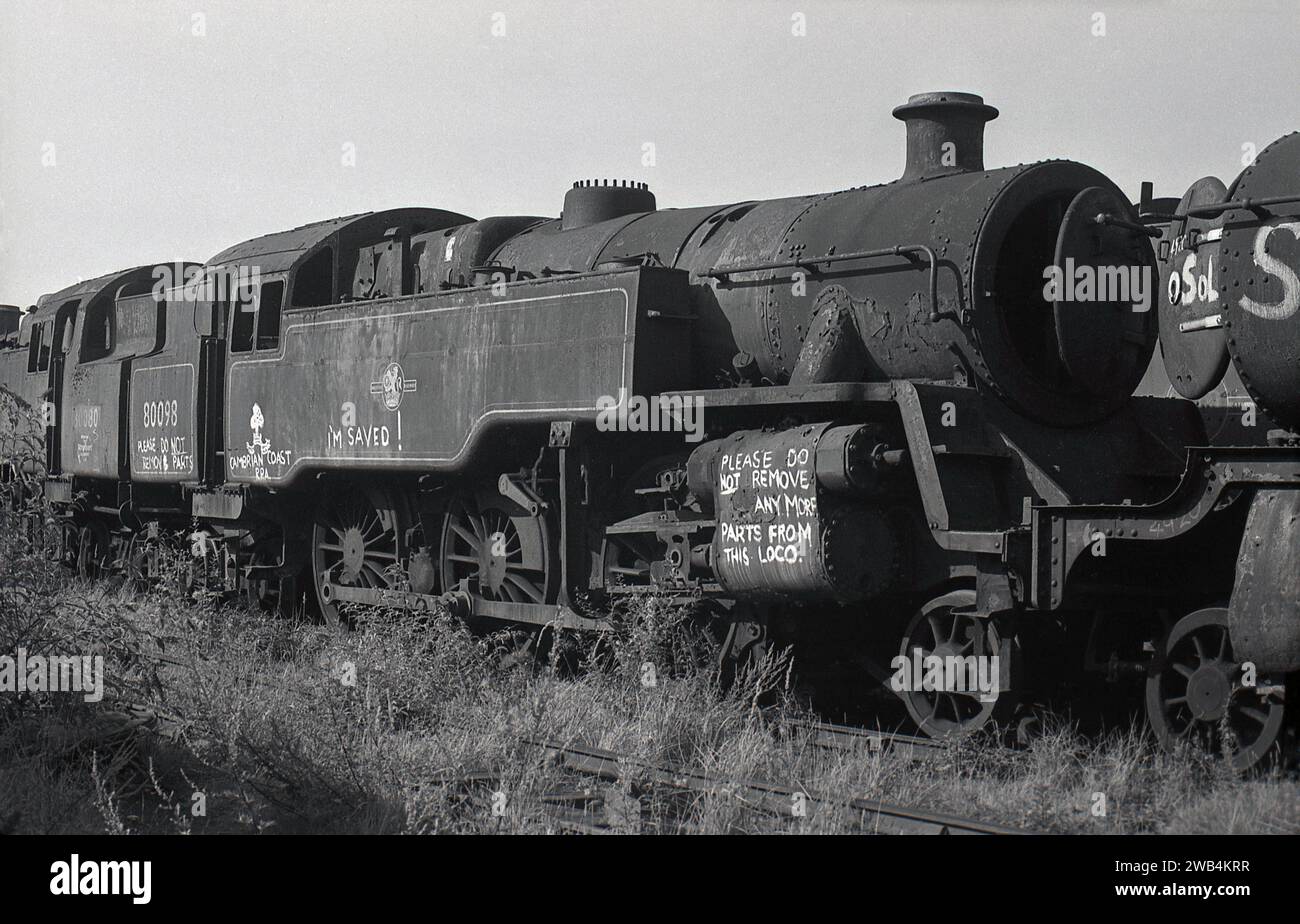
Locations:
(141, 132)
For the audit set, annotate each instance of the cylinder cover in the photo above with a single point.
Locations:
(781, 532)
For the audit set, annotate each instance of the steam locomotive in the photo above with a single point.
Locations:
(892, 420)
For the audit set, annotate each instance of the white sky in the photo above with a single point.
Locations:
(166, 144)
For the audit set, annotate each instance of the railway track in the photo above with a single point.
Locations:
(852, 738)
(600, 809)
(877, 817)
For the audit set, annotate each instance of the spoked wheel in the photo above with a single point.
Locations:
(357, 541)
(1195, 693)
(945, 627)
(501, 554)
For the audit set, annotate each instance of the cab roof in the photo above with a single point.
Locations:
(279, 252)
(86, 288)
(89, 289)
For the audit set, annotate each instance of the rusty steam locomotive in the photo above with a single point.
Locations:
(859, 422)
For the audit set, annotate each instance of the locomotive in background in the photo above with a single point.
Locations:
(855, 422)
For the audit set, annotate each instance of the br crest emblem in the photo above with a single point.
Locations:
(392, 384)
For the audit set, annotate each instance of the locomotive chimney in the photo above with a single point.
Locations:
(945, 133)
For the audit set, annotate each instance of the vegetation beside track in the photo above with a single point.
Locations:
(268, 724)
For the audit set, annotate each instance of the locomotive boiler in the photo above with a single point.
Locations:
(936, 276)
(891, 419)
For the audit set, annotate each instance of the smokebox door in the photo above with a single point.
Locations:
(1193, 339)
(1101, 269)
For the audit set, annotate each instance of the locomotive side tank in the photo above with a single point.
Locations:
(407, 376)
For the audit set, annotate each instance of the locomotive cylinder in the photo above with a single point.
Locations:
(786, 527)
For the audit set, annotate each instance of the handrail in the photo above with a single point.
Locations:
(722, 273)
(1218, 208)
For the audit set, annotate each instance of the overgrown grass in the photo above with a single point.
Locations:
(220, 718)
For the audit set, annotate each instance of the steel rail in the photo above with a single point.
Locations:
(883, 817)
(850, 737)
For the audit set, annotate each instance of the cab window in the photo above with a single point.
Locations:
(34, 347)
(99, 334)
(258, 314)
(268, 315)
(47, 346)
(141, 324)
(313, 283)
(243, 311)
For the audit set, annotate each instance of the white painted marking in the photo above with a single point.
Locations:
(1209, 323)
(1285, 274)
(189, 432)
